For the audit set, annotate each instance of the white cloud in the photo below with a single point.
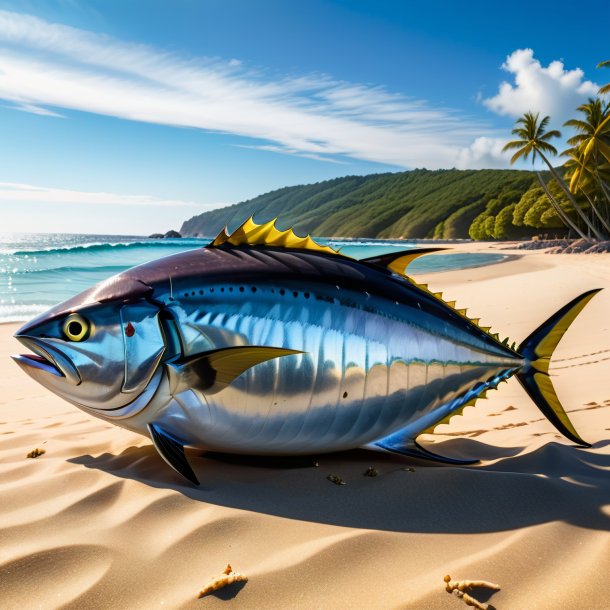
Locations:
(45, 66)
(553, 91)
(483, 153)
(14, 192)
(37, 110)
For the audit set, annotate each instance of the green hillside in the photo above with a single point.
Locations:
(415, 204)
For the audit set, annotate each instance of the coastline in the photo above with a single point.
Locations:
(98, 521)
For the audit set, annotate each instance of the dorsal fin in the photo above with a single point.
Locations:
(399, 261)
(252, 234)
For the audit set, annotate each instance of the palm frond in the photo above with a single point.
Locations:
(546, 147)
(604, 149)
(578, 124)
(543, 123)
(550, 134)
(514, 144)
(524, 152)
(577, 139)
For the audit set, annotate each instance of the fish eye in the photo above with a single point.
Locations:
(76, 328)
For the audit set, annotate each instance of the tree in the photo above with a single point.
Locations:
(478, 228)
(534, 140)
(503, 227)
(589, 153)
(524, 204)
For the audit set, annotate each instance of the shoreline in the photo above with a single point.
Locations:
(100, 521)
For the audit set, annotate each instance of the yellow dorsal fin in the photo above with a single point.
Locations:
(399, 261)
(252, 234)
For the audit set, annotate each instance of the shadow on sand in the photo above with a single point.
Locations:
(554, 483)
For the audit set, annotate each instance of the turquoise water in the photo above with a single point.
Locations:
(39, 270)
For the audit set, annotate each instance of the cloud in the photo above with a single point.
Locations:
(46, 66)
(14, 192)
(553, 91)
(483, 153)
(37, 110)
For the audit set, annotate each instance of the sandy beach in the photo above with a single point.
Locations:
(99, 521)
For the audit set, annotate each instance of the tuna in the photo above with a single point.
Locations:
(267, 343)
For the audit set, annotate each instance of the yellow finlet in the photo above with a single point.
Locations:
(447, 419)
(462, 312)
(252, 234)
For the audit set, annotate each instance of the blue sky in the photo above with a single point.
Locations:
(128, 117)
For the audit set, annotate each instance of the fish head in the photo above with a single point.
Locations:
(99, 350)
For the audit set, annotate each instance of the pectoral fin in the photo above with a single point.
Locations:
(212, 371)
(172, 451)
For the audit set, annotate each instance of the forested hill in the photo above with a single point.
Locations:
(413, 204)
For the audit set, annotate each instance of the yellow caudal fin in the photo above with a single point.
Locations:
(538, 349)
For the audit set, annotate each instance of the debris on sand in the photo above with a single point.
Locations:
(336, 479)
(228, 577)
(459, 588)
(36, 453)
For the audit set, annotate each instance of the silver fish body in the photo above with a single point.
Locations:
(368, 367)
(350, 353)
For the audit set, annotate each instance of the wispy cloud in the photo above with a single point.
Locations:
(15, 192)
(45, 67)
(37, 110)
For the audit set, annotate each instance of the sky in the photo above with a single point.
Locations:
(130, 116)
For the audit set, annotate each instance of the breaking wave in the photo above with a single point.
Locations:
(101, 247)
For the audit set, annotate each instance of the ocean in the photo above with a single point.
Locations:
(38, 270)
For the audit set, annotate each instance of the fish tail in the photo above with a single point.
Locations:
(538, 349)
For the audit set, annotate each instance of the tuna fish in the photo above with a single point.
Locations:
(264, 342)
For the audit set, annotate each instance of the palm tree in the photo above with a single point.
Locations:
(589, 181)
(534, 140)
(605, 88)
(590, 150)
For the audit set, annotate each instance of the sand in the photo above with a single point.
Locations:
(99, 521)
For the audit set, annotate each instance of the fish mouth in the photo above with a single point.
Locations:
(45, 359)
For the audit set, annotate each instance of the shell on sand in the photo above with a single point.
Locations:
(228, 577)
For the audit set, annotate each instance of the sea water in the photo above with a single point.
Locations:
(40, 270)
